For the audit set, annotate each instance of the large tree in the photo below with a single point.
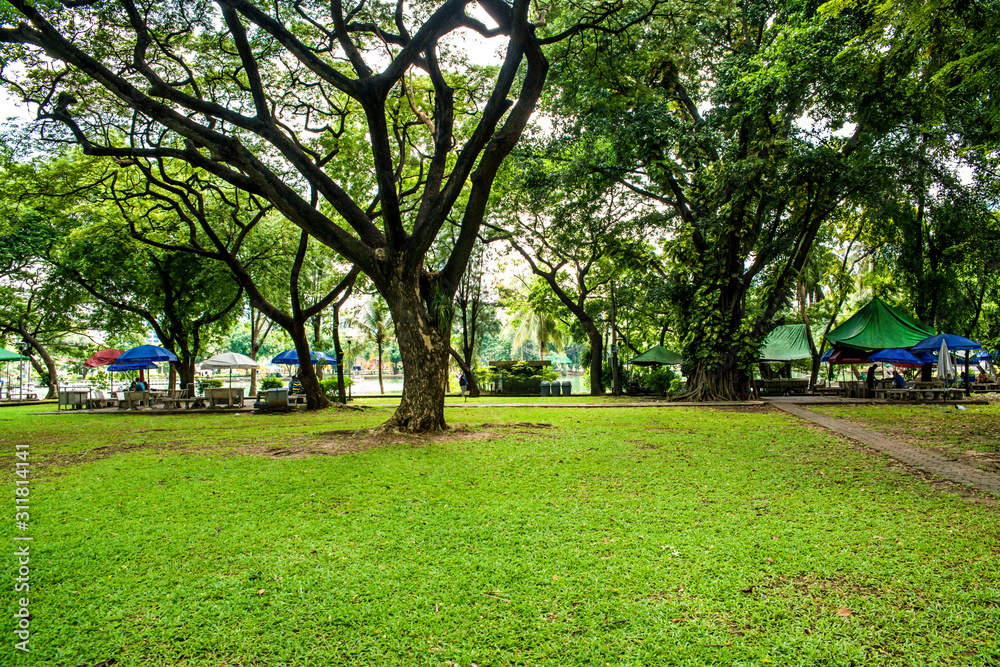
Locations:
(266, 256)
(263, 97)
(750, 124)
(36, 308)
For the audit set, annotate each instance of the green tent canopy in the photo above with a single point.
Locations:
(657, 356)
(878, 326)
(7, 355)
(786, 343)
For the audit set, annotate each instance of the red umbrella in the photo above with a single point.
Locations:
(843, 356)
(103, 358)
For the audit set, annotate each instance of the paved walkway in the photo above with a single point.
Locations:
(919, 458)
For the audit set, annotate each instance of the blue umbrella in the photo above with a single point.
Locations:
(986, 355)
(894, 356)
(933, 344)
(132, 366)
(147, 353)
(291, 358)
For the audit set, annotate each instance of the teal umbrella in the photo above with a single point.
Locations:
(7, 355)
(657, 356)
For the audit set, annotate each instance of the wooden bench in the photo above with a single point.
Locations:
(937, 393)
(99, 400)
(891, 393)
(27, 396)
(782, 386)
(175, 402)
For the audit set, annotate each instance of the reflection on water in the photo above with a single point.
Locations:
(367, 386)
(364, 386)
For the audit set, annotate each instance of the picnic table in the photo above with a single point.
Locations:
(99, 400)
(782, 386)
(231, 396)
(13, 395)
(73, 398)
(932, 393)
(135, 399)
(175, 398)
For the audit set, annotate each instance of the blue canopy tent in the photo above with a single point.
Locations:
(945, 342)
(142, 353)
(146, 353)
(895, 356)
(119, 367)
(132, 366)
(291, 358)
(933, 343)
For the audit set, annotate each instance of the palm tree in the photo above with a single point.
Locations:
(375, 322)
(540, 327)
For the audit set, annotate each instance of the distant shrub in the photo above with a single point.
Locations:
(329, 385)
(208, 382)
(271, 382)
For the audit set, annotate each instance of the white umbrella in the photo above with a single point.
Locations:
(229, 360)
(945, 367)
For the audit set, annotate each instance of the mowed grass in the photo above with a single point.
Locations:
(943, 427)
(628, 536)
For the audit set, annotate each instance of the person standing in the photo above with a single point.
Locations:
(870, 379)
(462, 383)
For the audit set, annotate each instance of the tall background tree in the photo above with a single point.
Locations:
(38, 311)
(750, 124)
(266, 98)
(375, 322)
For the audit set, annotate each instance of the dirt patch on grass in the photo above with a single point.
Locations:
(48, 461)
(519, 425)
(325, 443)
(746, 409)
(812, 585)
(341, 442)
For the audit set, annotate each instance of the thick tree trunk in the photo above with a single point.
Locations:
(721, 380)
(185, 369)
(316, 322)
(471, 385)
(339, 351)
(315, 398)
(720, 363)
(596, 358)
(50, 364)
(424, 349)
(381, 387)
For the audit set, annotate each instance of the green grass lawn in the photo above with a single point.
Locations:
(972, 433)
(529, 537)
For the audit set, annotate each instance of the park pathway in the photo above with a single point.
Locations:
(915, 457)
